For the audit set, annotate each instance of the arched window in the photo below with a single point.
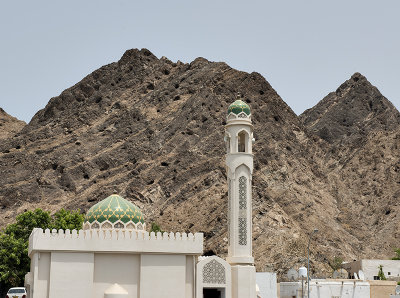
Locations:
(119, 225)
(86, 226)
(130, 226)
(106, 226)
(242, 141)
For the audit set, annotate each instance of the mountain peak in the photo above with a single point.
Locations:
(356, 81)
(356, 108)
(357, 76)
(136, 54)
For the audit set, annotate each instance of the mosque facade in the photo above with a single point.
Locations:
(113, 256)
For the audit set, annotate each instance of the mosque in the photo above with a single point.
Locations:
(113, 256)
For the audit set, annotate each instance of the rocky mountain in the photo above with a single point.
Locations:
(350, 113)
(362, 128)
(152, 130)
(9, 125)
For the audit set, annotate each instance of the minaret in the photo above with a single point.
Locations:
(239, 161)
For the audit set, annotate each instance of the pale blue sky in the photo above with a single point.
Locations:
(304, 48)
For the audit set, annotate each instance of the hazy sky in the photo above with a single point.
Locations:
(305, 49)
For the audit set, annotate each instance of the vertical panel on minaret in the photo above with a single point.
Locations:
(229, 210)
(242, 210)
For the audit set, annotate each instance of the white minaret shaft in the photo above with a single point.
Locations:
(239, 161)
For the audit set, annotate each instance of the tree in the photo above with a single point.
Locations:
(381, 275)
(155, 228)
(336, 263)
(14, 240)
(27, 221)
(397, 252)
(14, 260)
(64, 220)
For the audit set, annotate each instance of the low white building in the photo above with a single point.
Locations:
(370, 268)
(114, 256)
(88, 263)
(326, 289)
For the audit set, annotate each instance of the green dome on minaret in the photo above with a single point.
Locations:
(113, 209)
(239, 106)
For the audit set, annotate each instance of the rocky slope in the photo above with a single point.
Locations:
(362, 161)
(9, 125)
(152, 130)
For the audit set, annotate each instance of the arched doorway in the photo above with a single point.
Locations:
(213, 278)
(213, 292)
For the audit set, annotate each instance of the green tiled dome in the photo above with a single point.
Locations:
(114, 208)
(239, 106)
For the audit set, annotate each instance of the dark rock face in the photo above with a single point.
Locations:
(152, 130)
(351, 112)
(362, 161)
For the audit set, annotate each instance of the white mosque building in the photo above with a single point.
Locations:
(113, 256)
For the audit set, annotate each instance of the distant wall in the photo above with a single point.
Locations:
(382, 288)
(266, 282)
(340, 289)
(391, 268)
(352, 267)
(327, 289)
(290, 289)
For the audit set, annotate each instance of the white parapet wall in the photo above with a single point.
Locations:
(115, 241)
(328, 288)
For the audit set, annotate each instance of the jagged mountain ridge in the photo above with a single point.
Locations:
(152, 130)
(9, 125)
(351, 112)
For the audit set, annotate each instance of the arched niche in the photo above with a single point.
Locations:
(213, 274)
(106, 226)
(243, 170)
(86, 226)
